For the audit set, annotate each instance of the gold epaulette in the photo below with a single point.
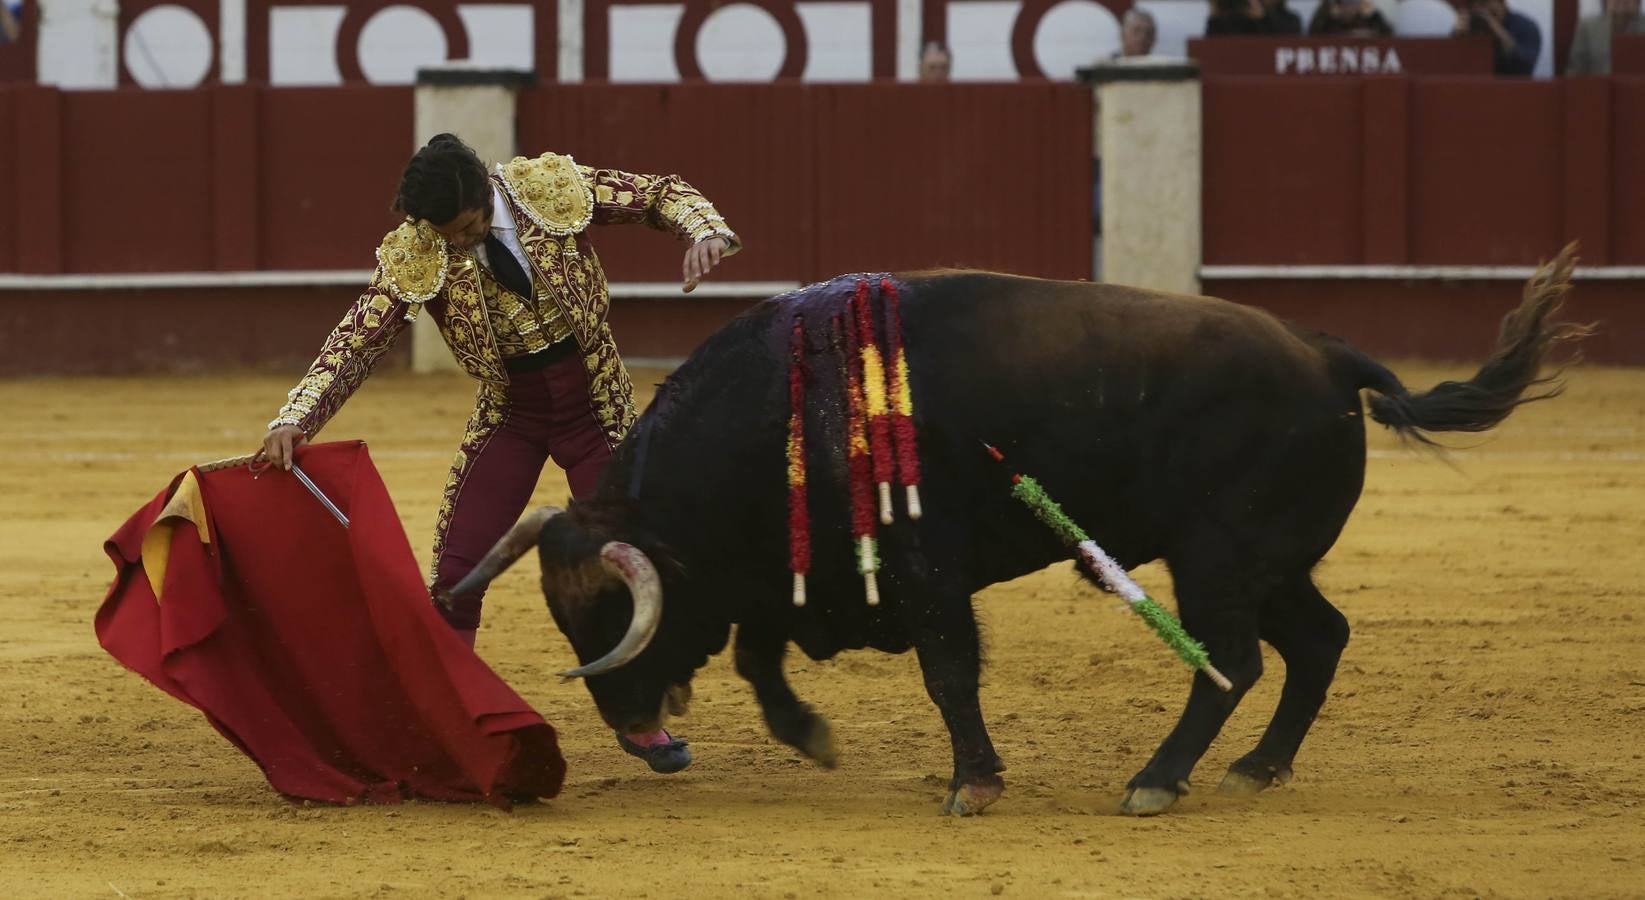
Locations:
(413, 260)
(552, 191)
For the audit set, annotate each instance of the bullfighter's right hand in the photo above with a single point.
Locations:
(701, 259)
(279, 444)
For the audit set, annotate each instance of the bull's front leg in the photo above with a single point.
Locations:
(759, 660)
(945, 637)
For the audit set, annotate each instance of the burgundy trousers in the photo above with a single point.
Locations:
(549, 416)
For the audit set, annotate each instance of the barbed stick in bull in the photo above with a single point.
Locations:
(799, 512)
(1103, 566)
(858, 466)
(878, 410)
(901, 400)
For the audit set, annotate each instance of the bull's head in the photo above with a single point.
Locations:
(607, 598)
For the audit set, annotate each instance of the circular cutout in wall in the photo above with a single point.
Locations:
(398, 41)
(1073, 34)
(741, 42)
(168, 47)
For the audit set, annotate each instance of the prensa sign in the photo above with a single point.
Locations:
(1348, 60)
(1291, 56)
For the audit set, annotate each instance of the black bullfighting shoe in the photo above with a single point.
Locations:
(664, 753)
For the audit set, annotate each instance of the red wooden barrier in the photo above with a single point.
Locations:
(818, 179)
(742, 146)
(136, 181)
(828, 178)
(1452, 171)
(330, 159)
(9, 217)
(219, 179)
(1486, 179)
(37, 126)
(984, 176)
(1293, 195)
(1628, 54)
(1441, 320)
(1627, 194)
(822, 179)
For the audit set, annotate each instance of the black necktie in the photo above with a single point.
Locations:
(506, 267)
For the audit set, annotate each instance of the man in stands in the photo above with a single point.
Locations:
(1251, 17)
(935, 62)
(11, 22)
(1591, 45)
(1516, 39)
(1137, 33)
(1349, 18)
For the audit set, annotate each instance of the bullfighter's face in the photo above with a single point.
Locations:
(468, 228)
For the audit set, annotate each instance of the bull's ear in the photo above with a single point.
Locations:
(513, 545)
(628, 564)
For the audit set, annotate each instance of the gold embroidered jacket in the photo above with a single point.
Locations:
(553, 201)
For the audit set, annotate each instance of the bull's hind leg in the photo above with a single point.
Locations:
(945, 637)
(1219, 609)
(1309, 634)
(759, 660)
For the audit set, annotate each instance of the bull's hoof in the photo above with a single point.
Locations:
(1247, 779)
(974, 796)
(819, 743)
(1151, 801)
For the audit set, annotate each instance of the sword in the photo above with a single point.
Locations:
(295, 470)
(319, 494)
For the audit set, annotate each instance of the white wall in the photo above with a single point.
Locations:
(171, 47)
(77, 43)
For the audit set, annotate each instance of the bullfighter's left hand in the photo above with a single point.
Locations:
(700, 260)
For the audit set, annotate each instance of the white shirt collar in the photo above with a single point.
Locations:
(501, 218)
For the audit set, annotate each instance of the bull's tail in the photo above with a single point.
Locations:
(1510, 377)
(513, 545)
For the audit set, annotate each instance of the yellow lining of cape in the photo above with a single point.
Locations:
(186, 504)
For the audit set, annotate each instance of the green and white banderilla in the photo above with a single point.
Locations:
(1111, 574)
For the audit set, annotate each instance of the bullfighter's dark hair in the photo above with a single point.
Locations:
(444, 178)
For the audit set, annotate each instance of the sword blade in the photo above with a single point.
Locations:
(319, 494)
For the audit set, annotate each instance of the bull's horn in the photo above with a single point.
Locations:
(625, 561)
(522, 537)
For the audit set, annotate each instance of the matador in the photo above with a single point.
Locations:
(503, 262)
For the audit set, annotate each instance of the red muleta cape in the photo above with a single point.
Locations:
(314, 648)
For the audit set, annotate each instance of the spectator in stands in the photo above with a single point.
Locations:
(1280, 18)
(1349, 18)
(1591, 46)
(1137, 33)
(11, 22)
(1251, 17)
(1516, 38)
(935, 62)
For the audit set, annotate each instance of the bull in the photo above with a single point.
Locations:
(1210, 435)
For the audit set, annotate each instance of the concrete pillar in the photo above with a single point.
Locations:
(1147, 116)
(477, 105)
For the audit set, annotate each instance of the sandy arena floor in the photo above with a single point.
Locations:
(1485, 736)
